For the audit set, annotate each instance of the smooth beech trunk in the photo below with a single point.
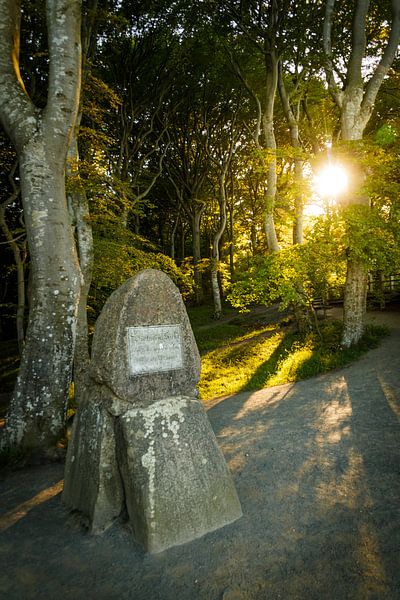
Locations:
(270, 195)
(215, 254)
(271, 83)
(293, 123)
(41, 138)
(198, 279)
(37, 412)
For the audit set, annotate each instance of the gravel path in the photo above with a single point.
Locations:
(317, 469)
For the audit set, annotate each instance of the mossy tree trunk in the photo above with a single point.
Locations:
(41, 138)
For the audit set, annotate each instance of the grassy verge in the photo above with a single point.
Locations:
(238, 358)
(242, 353)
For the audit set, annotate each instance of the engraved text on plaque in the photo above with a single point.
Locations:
(154, 349)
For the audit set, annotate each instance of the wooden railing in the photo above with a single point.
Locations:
(380, 291)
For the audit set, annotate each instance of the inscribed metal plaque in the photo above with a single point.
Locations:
(154, 349)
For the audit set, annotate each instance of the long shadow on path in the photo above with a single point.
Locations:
(319, 463)
(317, 469)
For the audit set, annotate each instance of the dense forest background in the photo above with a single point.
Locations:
(197, 146)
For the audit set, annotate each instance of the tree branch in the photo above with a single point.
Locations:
(156, 175)
(256, 134)
(247, 31)
(383, 67)
(336, 94)
(64, 41)
(358, 43)
(17, 112)
(287, 109)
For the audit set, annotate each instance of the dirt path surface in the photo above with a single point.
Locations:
(317, 469)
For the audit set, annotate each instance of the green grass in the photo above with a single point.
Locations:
(243, 353)
(237, 357)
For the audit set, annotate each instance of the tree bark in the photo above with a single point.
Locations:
(292, 121)
(231, 245)
(79, 210)
(198, 279)
(271, 62)
(38, 406)
(355, 300)
(173, 233)
(215, 250)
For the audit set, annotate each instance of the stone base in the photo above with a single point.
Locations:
(174, 477)
(92, 483)
(176, 481)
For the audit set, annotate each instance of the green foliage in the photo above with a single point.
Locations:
(119, 254)
(386, 134)
(293, 276)
(370, 237)
(371, 228)
(266, 356)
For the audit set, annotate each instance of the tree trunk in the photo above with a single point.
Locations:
(37, 412)
(270, 145)
(292, 122)
(183, 241)
(173, 234)
(79, 209)
(298, 224)
(355, 295)
(231, 244)
(355, 302)
(215, 259)
(302, 317)
(198, 280)
(215, 289)
(84, 239)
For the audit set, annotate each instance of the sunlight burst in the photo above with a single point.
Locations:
(331, 181)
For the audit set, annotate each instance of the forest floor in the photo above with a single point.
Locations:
(317, 469)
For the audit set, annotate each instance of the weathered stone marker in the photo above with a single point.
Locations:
(141, 440)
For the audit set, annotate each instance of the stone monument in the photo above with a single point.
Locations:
(142, 444)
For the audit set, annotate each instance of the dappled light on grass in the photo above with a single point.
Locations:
(289, 366)
(228, 369)
(269, 356)
(226, 334)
